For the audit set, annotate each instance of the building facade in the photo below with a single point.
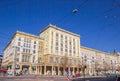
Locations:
(54, 52)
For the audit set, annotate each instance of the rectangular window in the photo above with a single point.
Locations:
(57, 61)
(56, 43)
(24, 45)
(19, 43)
(56, 48)
(34, 42)
(51, 59)
(34, 46)
(18, 48)
(56, 35)
(65, 50)
(23, 49)
(19, 38)
(28, 50)
(34, 51)
(61, 49)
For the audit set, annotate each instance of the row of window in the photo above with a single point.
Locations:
(62, 60)
(57, 46)
(25, 58)
(27, 40)
(25, 50)
(26, 45)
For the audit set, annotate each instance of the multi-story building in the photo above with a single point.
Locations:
(98, 61)
(23, 52)
(54, 51)
(61, 49)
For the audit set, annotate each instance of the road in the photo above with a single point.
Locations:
(51, 78)
(95, 79)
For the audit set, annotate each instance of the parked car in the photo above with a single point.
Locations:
(118, 79)
(9, 73)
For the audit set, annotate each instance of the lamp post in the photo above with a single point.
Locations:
(14, 60)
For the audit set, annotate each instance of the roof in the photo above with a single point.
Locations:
(55, 27)
(28, 34)
(94, 50)
(21, 33)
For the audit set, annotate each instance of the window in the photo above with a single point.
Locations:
(34, 46)
(23, 49)
(56, 48)
(25, 58)
(18, 48)
(18, 43)
(61, 49)
(75, 62)
(28, 50)
(61, 44)
(57, 61)
(51, 59)
(56, 34)
(34, 42)
(39, 60)
(28, 45)
(19, 38)
(65, 50)
(34, 51)
(24, 45)
(56, 43)
(33, 59)
(24, 39)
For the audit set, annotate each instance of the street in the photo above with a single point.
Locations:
(51, 78)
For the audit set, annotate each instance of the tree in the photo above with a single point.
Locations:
(63, 63)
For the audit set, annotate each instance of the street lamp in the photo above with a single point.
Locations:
(14, 60)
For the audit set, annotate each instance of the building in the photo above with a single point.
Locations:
(55, 51)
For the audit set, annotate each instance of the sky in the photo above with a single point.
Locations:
(97, 21)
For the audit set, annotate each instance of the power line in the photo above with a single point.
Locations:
(69, 13)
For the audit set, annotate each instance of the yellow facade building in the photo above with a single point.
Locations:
(54, 52)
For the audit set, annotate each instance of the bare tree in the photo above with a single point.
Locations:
(63, 63)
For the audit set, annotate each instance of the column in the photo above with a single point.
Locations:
(30, 70)
(63, 71)
(44, 69)
(52, 70)
(40, 70)
(77, 70)
(58, 68)
(36, 70)
(73, 73)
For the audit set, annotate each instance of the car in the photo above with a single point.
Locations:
(10, 73)
(118, 79)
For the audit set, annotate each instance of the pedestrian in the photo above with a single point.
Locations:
(68, 75)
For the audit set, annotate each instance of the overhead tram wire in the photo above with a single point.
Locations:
(108, 11)
(69, 13)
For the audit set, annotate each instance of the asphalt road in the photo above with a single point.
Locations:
(51, 78)
(95, 79)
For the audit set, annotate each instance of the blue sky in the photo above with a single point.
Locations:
(97, 21)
